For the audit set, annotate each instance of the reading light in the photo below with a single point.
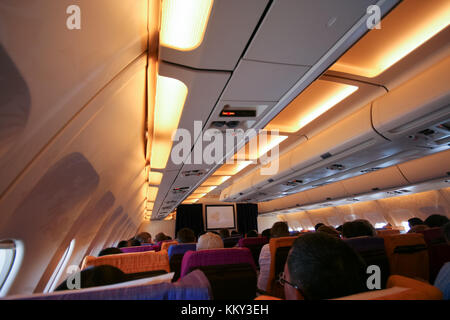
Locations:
(184, 22)
(406, 28)
(258, 146)
(170, 97)
(215, 180)
(317, 99)
(151, 193)
(155, 178)
(231, 169)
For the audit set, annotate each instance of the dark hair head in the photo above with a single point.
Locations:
(266, 233)
(325, 267)
(329, 230)
(109, 251)
(436, 220)
(446, 230)
(317, 226)
(123, 243)
(97, 276)
(358, 228)
(160, 237)
(279, 229)
(415, 222)
(224, 233)
(185, 235)
(144, 237)
(134, 243)
(252, 234)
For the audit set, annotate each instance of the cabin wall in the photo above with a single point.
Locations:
(393, 210)
(72, 132)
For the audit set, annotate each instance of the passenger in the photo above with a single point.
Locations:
(252, 234)
(134, 243)
(418, 228)
(317, 226)
(329, 230)
(224, 233)
(279, 229)
(358, 228)
(160, 237)
(109, 251)
(234, 233)
(436, 220)
(185, 235)
(415, 222)
(209, 241)
(123, 243)
(442, 281)
(96, 276)
(266, 233)
(320, 266)
(144, 237)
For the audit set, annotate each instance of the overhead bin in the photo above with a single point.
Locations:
(416, 105)
(229, 28)
(300, 32)
(437, 165)
(326, 193)
(377, 180)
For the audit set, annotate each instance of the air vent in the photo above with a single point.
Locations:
(326, 205)
(370, 170)
(397, 192)
(181, 190)
(191, 173)
(336, 167)
(326, 155)
(352, 200)
(167, 208)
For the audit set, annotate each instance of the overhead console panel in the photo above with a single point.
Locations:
(229, 28)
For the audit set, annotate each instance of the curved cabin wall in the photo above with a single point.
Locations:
(393, 210)
(72, 157)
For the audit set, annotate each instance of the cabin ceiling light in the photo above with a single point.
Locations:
(196, 196)
(183, 23)
(151, 193)
(231, 169)
(154, 178)
(406, 28)
(317, 99)
(190, 201)
(259, 145)
(170, 97)
(205, 189)
(215, 180)
(149, 206)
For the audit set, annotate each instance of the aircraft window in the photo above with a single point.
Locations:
(380, 225)
(405, 225)
(51, 285)
(11, 253)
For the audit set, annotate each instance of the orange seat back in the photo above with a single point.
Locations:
(387, 232)
(166, 245)
(408, 255)
(277, 266)
(132, 262)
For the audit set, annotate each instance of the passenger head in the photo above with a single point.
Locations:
(358, 228)
(185, 235)
(329, 230)
(134, 243)
(123, 243)
(160, 237)
(415, 222)
(144, 237)
(224, 233)
(436, 220)
(252, 234)
(317, 226)
(97, 276)
(279, 229)
(324, 267)
(266, 233)
(109, 251)
(209, 240)
(446, 230)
